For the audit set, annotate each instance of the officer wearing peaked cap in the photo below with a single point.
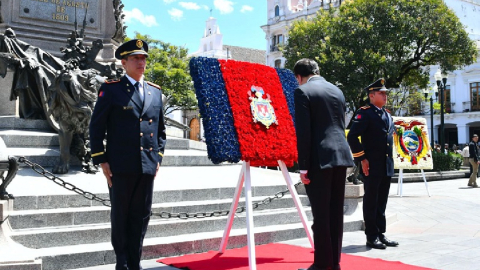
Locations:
(129, 115)
(374, 125)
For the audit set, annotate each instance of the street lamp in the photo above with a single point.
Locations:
(441, 79)
(430, 91)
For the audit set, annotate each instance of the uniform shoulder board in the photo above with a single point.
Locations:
(112, 81)
(388, 111)
(365, 107)
(154, 85)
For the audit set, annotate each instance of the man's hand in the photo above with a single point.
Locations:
(365, 166)
(304, 178)
(107, 172)
(158, 166)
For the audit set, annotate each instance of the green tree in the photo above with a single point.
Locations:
(364, 40)
(167, 66)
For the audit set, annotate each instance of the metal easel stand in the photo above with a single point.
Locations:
(245, 178)
(400, 183)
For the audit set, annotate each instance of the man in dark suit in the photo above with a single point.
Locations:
(375, 126)
(323, 158)
(130, 112)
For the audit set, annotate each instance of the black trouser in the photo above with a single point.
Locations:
(326, 193)
(374, 205)
(131, 198)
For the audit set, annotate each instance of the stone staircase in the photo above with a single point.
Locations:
(67, 231)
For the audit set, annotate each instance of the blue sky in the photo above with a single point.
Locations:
(182, 22)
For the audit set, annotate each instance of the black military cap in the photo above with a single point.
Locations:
(132, 47)
(378, 85)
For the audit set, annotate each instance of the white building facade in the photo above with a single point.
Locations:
(280, 16)
(462, 95)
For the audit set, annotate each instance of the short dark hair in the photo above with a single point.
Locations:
(306, 67)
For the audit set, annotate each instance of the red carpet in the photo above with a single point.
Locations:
(276, 257)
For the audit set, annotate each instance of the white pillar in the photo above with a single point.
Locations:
(463, 134)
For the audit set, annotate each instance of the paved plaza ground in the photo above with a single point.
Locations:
(440, 232)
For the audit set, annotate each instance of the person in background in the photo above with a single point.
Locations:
(466, 155)
(474, 161)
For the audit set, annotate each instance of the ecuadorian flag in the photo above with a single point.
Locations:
(247, 111)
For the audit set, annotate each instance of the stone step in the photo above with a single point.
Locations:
(16, 123)
(34, 265)
(30, 219)
(43, 139)
(49, 157)
(174, 196)
(85, 255)
(97, 233)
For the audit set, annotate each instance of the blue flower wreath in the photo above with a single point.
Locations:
(220, 134)
(289, 84)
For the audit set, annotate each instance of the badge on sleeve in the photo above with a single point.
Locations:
(358, 117)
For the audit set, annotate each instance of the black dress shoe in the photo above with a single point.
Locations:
(376, 244)
(387, 242)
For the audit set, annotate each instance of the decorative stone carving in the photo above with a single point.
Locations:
(62, 91)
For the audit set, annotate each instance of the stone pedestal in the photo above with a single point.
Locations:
(47, 24)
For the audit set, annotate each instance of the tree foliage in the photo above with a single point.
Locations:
(167, 66)
(364, 40)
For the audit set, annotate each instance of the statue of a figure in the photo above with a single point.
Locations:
(62, 91)
(120, 30)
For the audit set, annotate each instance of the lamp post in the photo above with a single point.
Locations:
(426, 91)
(441, 79)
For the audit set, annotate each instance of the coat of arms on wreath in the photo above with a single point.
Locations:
(411, 144)
(262, 110)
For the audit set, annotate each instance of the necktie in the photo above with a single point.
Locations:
(137, 88)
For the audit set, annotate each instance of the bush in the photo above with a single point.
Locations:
(450, 162)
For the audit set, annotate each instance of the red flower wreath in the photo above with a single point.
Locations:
(259, 145)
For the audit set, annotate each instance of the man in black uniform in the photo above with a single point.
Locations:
(130, 112)
(375, 126)
(323, 158)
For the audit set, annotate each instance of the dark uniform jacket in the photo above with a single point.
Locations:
(473, 151)
(375, 127)
(320, 126)
(135, 129)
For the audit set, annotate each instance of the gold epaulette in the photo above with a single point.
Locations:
(112, 81)
(365, 107)
(154, 85)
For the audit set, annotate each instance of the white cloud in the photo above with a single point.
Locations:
(205, 7)
(176, 14)
(189, 5)
(224, 6)
(169, 1)
(246, 8)
(137, 15)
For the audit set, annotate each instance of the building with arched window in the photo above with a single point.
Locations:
(280, 15)
(462, 94)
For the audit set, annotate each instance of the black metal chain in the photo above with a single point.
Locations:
(90, 196)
